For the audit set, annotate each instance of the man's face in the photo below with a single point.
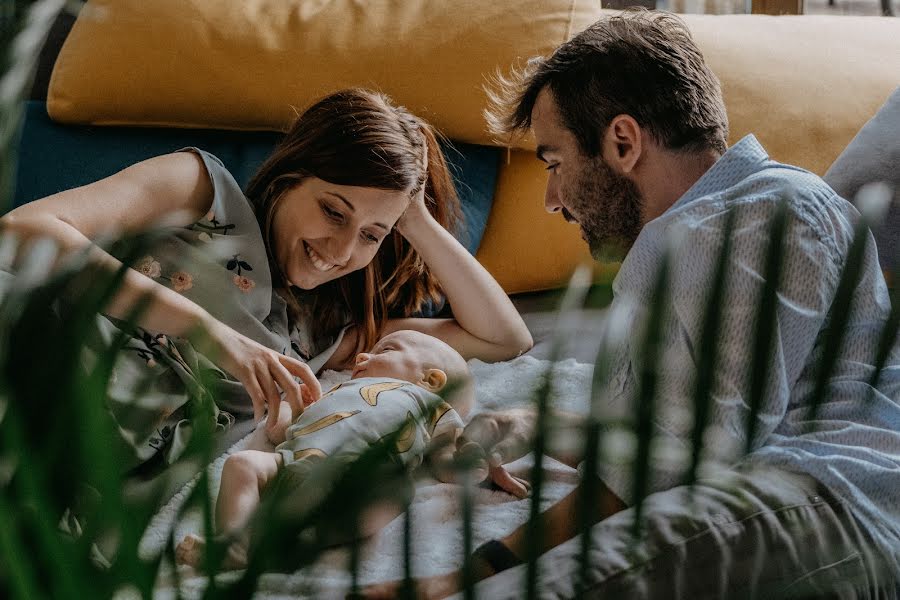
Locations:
(605, 204)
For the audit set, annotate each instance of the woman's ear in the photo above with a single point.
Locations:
(433, 380)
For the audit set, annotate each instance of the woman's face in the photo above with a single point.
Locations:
(322, 231)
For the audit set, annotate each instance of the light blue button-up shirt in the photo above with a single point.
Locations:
(853, 445)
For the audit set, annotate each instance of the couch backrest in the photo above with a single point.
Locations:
(55, 157)
(804, 85)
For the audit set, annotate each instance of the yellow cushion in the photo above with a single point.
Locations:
(524, 247)
(803, 85)
(249, 64)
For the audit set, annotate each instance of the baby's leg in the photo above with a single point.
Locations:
(244, 477)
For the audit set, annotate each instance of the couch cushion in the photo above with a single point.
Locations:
(804, 85)
(246, 64)
(874, 155)
(54, 157)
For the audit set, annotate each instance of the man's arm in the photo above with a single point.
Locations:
(561, 522)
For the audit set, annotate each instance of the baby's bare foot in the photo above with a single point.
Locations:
(190, 550)
(236, 557)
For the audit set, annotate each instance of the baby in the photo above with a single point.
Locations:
(392, 387)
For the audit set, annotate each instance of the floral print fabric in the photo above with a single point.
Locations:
(219, 262)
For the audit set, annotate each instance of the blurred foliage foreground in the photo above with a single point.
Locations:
(71, 520)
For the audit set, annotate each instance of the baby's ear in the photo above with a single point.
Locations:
(433, 380)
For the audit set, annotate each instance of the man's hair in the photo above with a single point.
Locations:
(643, 64)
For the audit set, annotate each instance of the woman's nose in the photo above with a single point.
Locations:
(342, 246)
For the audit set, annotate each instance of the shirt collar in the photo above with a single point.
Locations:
(739, 162)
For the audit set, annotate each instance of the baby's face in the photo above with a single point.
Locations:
(401, 355)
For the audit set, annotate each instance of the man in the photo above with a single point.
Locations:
(632, 126)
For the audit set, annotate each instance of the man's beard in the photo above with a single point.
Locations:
(608, 207)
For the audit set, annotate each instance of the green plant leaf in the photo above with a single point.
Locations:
(567, 316)
(840, 313)
(708, 350)
(647, 374)
(766, 319)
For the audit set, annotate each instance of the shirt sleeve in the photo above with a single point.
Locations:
(447, 422)
(809, 276)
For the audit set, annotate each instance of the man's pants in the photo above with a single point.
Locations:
(763, 534)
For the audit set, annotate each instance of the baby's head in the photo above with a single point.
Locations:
(420, 359)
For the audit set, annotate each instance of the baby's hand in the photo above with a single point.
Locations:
(277, 432)
(475, 458)
(509, 483)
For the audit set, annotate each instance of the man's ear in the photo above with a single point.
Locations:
(622, 143)
(433, 380)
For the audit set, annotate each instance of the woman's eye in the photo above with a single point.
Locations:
(332, 214)
(552, 167)
(369, 238)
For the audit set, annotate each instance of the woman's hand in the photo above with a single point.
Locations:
(486, 325)
(262, 371)
(417, 211)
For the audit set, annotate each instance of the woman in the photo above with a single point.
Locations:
(339, 240)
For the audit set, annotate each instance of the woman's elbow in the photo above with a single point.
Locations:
(518, 344)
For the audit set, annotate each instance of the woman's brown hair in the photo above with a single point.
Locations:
(358, 137)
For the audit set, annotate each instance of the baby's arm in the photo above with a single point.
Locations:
(440, 456)
(276, 432)
(442, 447)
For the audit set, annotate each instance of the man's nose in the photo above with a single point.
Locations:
(552, 200)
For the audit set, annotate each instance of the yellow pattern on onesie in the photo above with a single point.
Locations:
(361, 412)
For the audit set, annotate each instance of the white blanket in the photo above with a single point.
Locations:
(437, 526)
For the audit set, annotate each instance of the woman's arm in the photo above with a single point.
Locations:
(486, 325)
(175, 187)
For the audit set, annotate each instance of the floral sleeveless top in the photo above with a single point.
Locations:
(219, 262)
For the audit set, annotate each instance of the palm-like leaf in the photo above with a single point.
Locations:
(708, 351)
(572, 300)
(648, 374)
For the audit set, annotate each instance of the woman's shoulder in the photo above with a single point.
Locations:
(220, 177)
(229, 203)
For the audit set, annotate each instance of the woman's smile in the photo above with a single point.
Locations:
(316, 259)
(323, 231)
